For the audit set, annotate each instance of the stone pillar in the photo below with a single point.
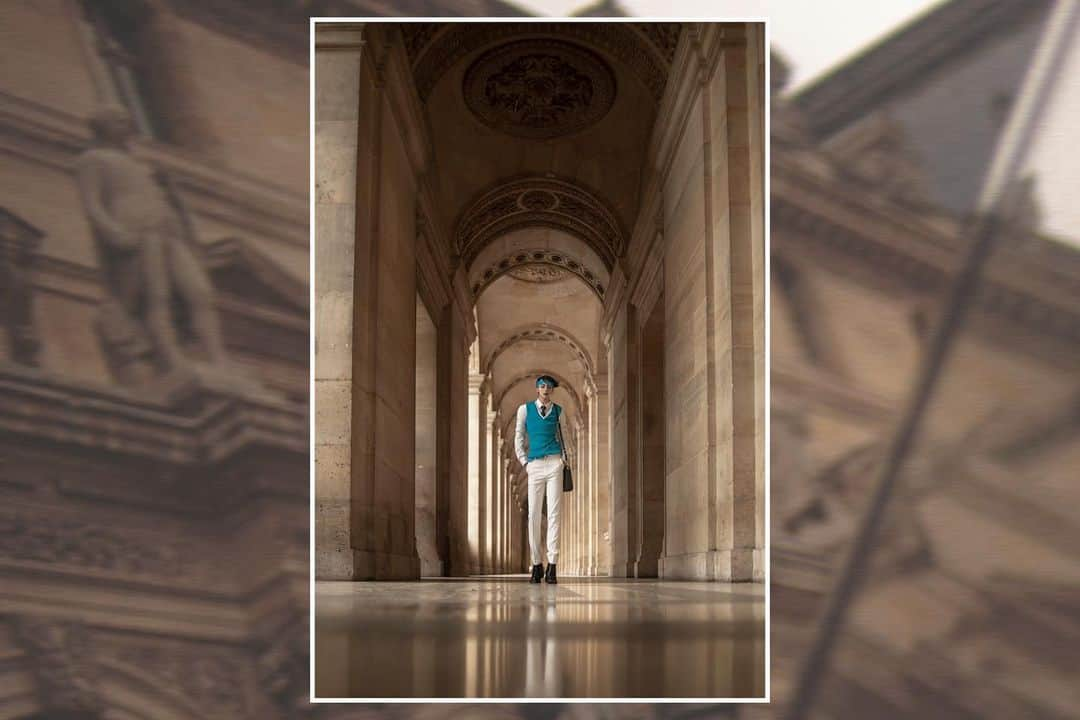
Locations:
(711, 360)
(651, 448)
(602, 475)
(493, 483)
(622, 368)
(490, 479)
(500, 490)
(337, 123)
(454, 414)
(477, 414)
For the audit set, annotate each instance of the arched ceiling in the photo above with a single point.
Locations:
(539, 134)
(539, 255)
(539, 124)
(539, 202)
(509, 306)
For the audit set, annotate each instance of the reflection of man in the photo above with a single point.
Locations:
(144, 251)
(538, 421)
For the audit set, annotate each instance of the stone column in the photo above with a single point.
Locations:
(477, 414)
(711, 359)
(490, 479)
(454, 472)
(500, 491)
(337, 123)
(603, 475)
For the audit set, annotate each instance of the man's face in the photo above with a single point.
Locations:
(543, 391)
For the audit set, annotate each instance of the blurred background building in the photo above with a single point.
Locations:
(154, 554)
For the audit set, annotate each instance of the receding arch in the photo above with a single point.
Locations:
(518, 259)
(563, 383)
(541, 201)
(540, 331)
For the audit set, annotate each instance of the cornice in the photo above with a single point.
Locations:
(802, 386)
(543, 332)
(46, 136)
(386, 46)
(907, 56)
(894, 250)
(43, 407)
(575, 265)
(613, 302)
(339, 36)
(539, 200)
(649, 221)
(675, 104)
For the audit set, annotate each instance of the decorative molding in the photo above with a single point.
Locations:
(936, 38)
(282, 663)
(664, 37)
(650, 280)
(539, 273)
(63, 665)
(392, 68)
(65, 541)
(542, 257)
(19, 243)
(211, 680)
(339, 36)
(539, 89)
(542, 332)
(196, 427)
(624, 44)
(539, 201)
(880, 243)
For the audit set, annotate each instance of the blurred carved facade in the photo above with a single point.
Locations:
(153, 360)
(973, 607)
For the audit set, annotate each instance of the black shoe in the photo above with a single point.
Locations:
(550, 577)
(537, 574)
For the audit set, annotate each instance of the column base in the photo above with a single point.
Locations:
(336, 564)
(370, 565)
(721, 565)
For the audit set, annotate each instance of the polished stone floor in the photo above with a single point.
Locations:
(502, 637)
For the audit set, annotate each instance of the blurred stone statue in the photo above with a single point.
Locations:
(149, 257)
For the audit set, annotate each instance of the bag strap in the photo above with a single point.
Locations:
(558, 429)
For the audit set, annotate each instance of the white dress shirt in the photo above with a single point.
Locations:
(519, 432)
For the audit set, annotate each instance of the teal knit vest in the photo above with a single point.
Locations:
(542, 438)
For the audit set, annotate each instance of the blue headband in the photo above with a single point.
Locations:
(547, 380)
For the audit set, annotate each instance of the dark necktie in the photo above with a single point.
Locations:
(543, 411)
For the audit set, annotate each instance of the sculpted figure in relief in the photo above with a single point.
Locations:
(149, 258)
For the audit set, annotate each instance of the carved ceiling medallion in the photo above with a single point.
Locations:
(539, 202)
(537, 273)
(539, 88)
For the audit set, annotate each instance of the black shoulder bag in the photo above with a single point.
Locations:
(567, 477)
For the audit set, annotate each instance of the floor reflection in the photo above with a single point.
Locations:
(502, 637)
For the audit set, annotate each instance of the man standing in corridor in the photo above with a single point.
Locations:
(543, 462)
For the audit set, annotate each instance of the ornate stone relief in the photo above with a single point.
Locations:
(539, 201)
(538, 266)
(211, 680)
(18, 242)
(664, 37)
(540, 332)
(282, 664)
(63, 666)
(537, 273)
(75, 543)
(440, 50)
(539, 88)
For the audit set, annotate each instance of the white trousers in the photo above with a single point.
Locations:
(545, 475)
